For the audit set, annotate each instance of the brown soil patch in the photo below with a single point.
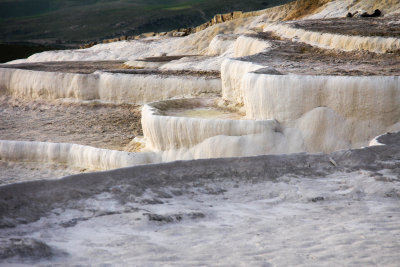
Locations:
(166, 73)
(82, 67)
(88, 67)
(95, 124)
(13, 172)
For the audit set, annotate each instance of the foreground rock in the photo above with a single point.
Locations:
(24, 248)
(316, 208)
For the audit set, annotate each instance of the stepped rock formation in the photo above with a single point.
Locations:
(257, 63)
(243, 93)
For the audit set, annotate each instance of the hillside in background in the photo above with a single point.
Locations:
(77, 21)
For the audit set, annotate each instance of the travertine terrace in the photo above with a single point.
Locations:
(279, 113)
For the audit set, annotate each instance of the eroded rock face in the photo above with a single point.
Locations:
(25, 248)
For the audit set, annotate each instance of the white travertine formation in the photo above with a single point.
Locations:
(247, 45)
(188, 138)
(221, 146)
(280, 96)
(325, 130)
(123, 50)
(48, 85)
(336, 41)
(337, 112)
(117, 88)
(73, 154)
(340, 112)
(221, 44)
(105, 86)
(232, 72)
(375, 141)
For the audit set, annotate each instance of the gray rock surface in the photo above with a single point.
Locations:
(28, 201)
(26, 248)
(278, 210)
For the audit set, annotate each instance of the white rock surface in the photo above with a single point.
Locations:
(354, 109)
(232, 72)
(192, 138)
(247, 45)
(336, 41)
(72, 154)
(105, 86)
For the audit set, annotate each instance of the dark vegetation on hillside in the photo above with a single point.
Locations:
(77, 21)
(11, 51)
